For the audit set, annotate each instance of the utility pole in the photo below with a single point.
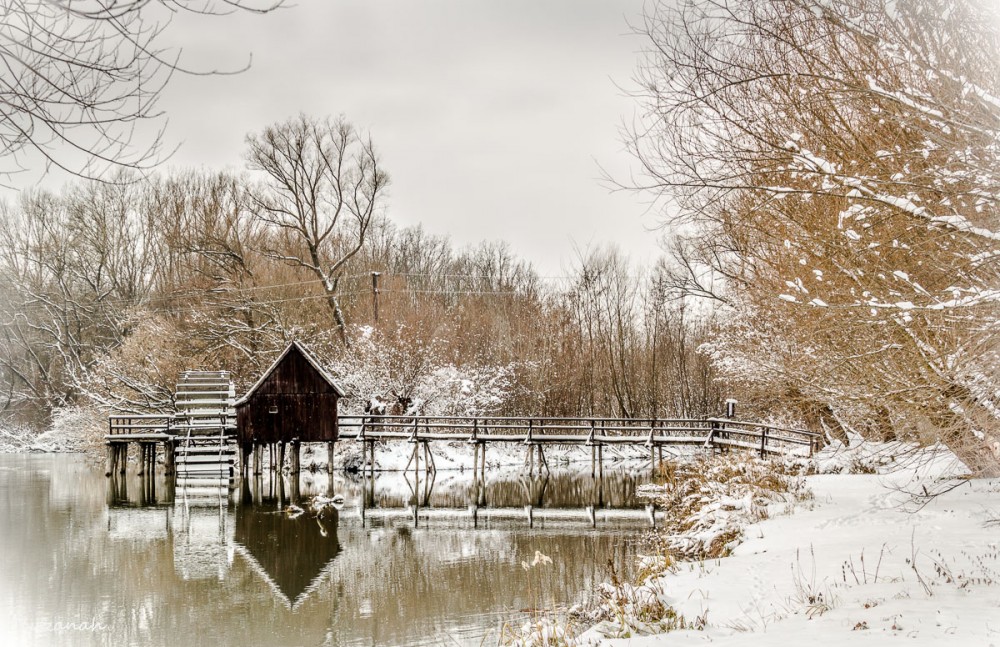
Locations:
(375, 291)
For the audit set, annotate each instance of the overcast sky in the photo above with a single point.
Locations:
(493, 118)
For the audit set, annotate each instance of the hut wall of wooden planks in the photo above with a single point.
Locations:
(294, 401)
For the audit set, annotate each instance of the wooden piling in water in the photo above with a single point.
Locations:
(169, 457)
(331, 448)
(296, 457)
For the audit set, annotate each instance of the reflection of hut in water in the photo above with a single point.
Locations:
(291, 554)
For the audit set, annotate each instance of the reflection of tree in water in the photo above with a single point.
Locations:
(291, 553)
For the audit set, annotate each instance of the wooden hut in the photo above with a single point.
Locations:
(294, 401)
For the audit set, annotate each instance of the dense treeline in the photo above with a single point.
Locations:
(110, 290)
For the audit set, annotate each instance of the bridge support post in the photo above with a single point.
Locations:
(295, 492)
(296, 456)
(429, 458)
(143, 458)
(170, 456)
(542, 462)
(111, 460)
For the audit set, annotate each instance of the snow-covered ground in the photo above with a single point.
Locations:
(871, 559)
(457, 455)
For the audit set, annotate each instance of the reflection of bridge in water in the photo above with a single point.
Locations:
(543, 498)
(264, 525)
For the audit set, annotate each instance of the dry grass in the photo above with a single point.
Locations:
(708, 502)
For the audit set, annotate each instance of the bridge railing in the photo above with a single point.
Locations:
(764, 438)
(712, 432)
(132, 424)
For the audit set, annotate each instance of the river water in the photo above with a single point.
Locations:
(93, 561)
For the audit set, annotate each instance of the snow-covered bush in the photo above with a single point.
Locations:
(73, 428)
(708, 502)
(398, 366)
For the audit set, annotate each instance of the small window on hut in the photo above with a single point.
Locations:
(273, 409)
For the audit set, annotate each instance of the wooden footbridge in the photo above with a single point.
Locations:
(295, 401)
(194, 444)
(537, 433)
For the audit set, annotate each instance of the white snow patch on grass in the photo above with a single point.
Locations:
(865, 561)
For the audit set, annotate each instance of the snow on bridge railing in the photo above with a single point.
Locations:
(716, 432)
(133, 423)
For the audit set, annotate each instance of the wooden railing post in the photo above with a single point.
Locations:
(763, 440)
(652, 452)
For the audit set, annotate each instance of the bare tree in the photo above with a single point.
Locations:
(839, 161)
(81, 75)
(74, 266)
(323, 187)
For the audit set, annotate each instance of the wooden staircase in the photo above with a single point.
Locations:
(204, 422)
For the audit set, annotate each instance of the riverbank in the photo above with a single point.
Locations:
(457, 455)
(910, 551)
(24, 440)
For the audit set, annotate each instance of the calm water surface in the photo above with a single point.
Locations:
(89, 561)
